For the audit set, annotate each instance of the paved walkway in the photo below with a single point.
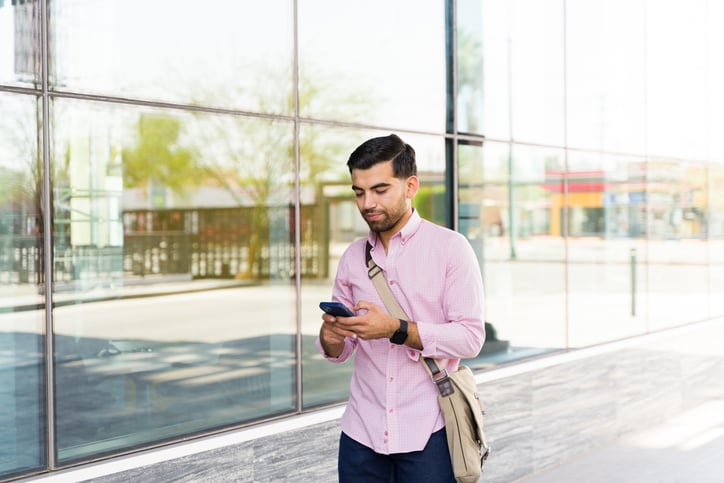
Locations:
(689, 448)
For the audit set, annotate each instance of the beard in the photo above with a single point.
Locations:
(381, 225)
(387, 221)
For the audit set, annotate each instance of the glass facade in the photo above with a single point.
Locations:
(175, 197)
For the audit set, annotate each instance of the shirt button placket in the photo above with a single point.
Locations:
(392, 393)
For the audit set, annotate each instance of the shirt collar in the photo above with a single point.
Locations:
(407, 232)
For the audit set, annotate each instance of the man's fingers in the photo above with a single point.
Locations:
(338, 328)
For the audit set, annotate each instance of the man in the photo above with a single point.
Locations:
(392, 428)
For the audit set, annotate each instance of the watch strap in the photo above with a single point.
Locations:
(400, 335)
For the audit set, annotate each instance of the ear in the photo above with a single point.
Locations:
(412, 184)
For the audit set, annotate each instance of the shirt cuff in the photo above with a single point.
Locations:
(348, 348)
(427, 339)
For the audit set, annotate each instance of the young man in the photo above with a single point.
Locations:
(392, 428)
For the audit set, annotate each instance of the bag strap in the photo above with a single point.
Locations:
(439, 376)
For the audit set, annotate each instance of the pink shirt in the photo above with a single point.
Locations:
(435, 276)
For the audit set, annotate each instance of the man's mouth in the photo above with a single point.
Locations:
(373, 215)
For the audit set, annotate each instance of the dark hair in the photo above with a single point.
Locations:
(383, 149)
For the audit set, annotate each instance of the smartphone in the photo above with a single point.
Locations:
(336, 309)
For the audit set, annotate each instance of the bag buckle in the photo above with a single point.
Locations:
(444, 385)
(374, 271)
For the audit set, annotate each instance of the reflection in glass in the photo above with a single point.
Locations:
(523, 52)
(329, 221)
(506, 210)
(174, 232)
(470, 61)
(607, 252)
(714, 79)
(22, 313)
(605, 75)
(355, 66)
(19, 34)
(174, 306)
(677, 224)
(215, 53)
(716, 238)
(677, 99)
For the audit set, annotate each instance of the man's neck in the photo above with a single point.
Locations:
(386, 236)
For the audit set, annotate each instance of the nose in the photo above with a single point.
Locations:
(369, 201)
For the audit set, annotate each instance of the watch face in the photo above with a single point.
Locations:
(400, 334)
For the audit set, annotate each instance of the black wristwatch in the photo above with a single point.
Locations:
(400, 335)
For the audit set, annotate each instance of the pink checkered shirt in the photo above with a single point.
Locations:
(435, 276)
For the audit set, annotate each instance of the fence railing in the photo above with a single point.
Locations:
(217, 243)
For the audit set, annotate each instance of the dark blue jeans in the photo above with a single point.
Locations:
(359, 464)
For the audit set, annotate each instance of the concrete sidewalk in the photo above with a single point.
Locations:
(14, 298)
(688, 448)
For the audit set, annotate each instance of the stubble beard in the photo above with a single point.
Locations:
(387, 222)
(381, 225)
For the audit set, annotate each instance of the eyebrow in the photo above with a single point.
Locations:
(377, 186)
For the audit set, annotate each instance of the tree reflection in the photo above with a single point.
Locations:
(20, 194)
(158, 157)
(253, 161)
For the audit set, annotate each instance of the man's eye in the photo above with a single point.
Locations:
(381, 192)
(357, 194)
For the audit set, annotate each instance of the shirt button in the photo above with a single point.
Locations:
(385, 441)
(392, 282)
(386, 433)
(392, 411)
(392, 379)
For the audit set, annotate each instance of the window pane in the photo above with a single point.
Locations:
(607, 253)
(213, 53)
(678, 271)
(355, 66)
(715, 150)
(470, 74)
(175, 311)
(523, 65)
(716, 238)
(506, 211)
(22, 313)
(331, 220)
(606, 59)
(715, 80)
(18, 34)
(677, 97)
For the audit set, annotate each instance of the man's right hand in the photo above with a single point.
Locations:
(332, 336)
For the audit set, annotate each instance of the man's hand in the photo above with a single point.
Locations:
(332, 334)
(375, 323)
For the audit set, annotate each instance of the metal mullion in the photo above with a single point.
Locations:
(47, 238)
(452, 177)
(564, 214)
(297, 213)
